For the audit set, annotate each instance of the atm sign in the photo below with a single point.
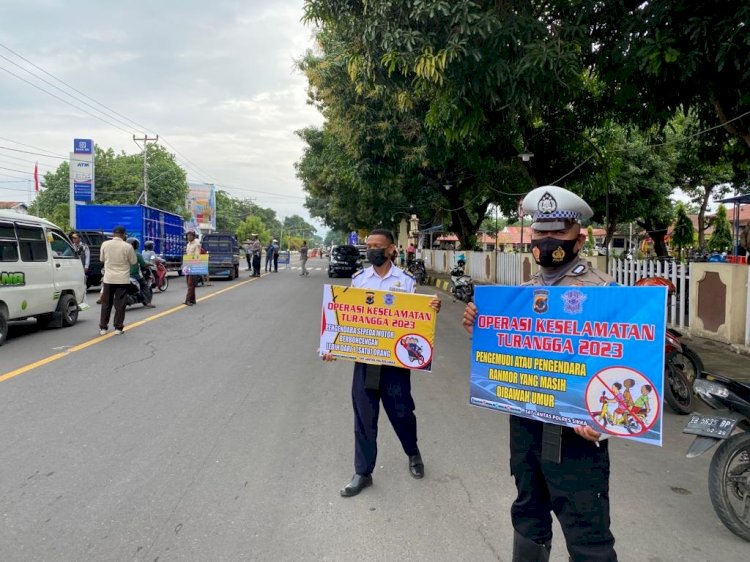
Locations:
(12, 279)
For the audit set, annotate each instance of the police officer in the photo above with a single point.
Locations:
(558, 468)
(372, 384)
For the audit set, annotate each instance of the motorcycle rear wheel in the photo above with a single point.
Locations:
(164, 284)
(690, 363)
(678, 392)
(728, 486)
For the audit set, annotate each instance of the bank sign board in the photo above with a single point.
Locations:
(82, 170)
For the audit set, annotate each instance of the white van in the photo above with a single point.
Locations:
(40, 274)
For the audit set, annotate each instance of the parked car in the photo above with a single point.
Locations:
(40, 274)
(223, 254)
(344, 261)
(362, 249)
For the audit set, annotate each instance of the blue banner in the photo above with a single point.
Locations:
(572, 356)
(284, 258)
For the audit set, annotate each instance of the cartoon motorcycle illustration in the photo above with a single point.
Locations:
(411, 344)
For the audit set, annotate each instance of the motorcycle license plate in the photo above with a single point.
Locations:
(718, 427)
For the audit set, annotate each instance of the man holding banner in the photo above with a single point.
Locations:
(556, 468)
(192, 250)
(373, 383)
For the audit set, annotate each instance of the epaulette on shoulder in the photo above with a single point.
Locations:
(357, 273)
(606, 279)
(409, 274)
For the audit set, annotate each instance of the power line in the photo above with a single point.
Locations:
(61, 90)
(64, 100)
(27, 146)
(74, 89)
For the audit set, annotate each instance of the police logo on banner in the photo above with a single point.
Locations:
(573, 301)
(541, 301)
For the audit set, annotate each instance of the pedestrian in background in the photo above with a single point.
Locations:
(558, 468)
(269, 257)
(193, 251)
(256, 250)
(372, 384)
(81, 250)
(276, 251)
(401, 256)
(117, 257)
(249, 254)
(303, 258)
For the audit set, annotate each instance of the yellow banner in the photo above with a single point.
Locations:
(195, 266)
(378, 327)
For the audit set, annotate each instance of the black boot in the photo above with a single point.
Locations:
(526, 550)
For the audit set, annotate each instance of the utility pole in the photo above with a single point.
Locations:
(145, 140)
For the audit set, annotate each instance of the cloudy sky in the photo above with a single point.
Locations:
(216, 80)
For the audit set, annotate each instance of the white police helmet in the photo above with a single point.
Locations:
(555, 208)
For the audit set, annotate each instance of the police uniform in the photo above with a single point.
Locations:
(372, 384)
(554, 468)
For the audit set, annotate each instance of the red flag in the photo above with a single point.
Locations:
(36, 177)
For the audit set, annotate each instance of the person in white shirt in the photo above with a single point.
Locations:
(372, 384)
(193, 250)
(117, 257)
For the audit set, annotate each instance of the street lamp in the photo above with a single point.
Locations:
(526, 156)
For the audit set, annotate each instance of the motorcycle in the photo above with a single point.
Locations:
(729, 473)
(678, 390)
(683, 366)
(134, 294)
(461, 285)
(417, 268)
(159, 274)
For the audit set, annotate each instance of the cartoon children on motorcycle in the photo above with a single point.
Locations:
(411, 344)
(626, 410)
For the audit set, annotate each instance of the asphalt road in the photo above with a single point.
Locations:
(214, 433)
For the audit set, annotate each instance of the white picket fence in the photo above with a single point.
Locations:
(507, 268)
(507, 271)
(627, 272)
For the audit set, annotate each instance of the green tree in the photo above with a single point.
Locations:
(678, 55)
(590, 241)
(253, 226)
(721, 239)
(683, 233)
(436, 99)
(119, 180)
(704, 165)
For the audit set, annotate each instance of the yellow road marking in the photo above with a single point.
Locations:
(99, 339)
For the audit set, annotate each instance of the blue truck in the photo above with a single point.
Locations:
(145, 223)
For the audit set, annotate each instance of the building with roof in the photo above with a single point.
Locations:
(16, 206)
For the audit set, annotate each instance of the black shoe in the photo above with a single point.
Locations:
(189, 303)
(416, 466)
(358, 483)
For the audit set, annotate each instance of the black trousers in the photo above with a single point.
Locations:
(394, 390)
(249, 258)
(113, 295)
(256, 265)
(576, 489)
(276, 262)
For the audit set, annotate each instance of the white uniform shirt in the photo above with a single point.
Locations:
(395, 280)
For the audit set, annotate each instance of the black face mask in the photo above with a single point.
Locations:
(376, 256)
(550, 252)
